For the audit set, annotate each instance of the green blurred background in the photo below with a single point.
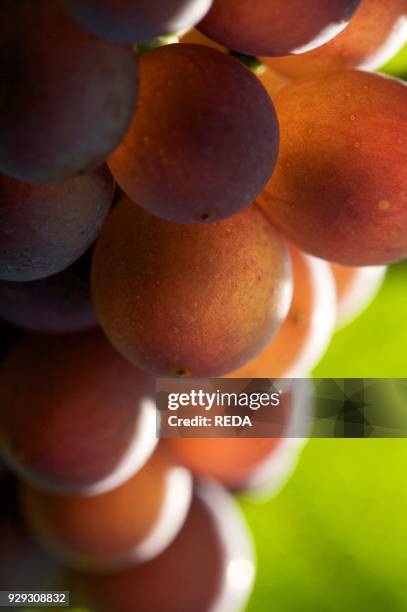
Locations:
(335, 537)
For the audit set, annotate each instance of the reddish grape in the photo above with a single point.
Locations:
(209, 566)
(204, 139)
(356, 288)
(188, 299)
(75, 416)
(137, 20)
(303, 337)
(134, 522)
(45, 228)
(70, 95)
(340, 190)
(376, 32)
(57, 304)
(261, 27)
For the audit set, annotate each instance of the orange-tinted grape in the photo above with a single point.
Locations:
(137, 20)
(340, 190)
(204, 139)
(68, 96)
(134, 522)
(75, 416)
(44, 228)
(376, 32)
(261, 27)
(57, 304)
(209, 566)
(187, 299)
(303, 337)
(356, 288)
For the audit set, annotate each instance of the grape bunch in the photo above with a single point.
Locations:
(188, 188)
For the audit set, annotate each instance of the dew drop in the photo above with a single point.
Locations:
(383, 204)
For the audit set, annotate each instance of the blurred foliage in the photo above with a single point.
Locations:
(335, 538)
(397, 66)
(374, 345)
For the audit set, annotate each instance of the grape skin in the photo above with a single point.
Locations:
(204, 140)
(261, 27)
(192, 574)
(45, 227)
(75, 416)
(130, 21)
(340, 188)
(57, 304)
(375, 34)
(187, 299)
(131, 523)
(305, 333)
(70, 95)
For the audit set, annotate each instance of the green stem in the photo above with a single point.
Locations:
(253, 63)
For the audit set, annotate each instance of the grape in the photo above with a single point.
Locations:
(303, 337)
(44, 228)
(258, 464)
(75, 416)
(134, 522)
(376, 32)
(137, 20)
(58, 304)
(261, 27)
(340, 190)
(204, 139)
(187, 299)
(70, 96)
(356, 288)
(209, 566)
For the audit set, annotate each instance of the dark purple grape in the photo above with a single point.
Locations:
(58, 304)
(137, 20)
(44, 228)
(67, 96)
